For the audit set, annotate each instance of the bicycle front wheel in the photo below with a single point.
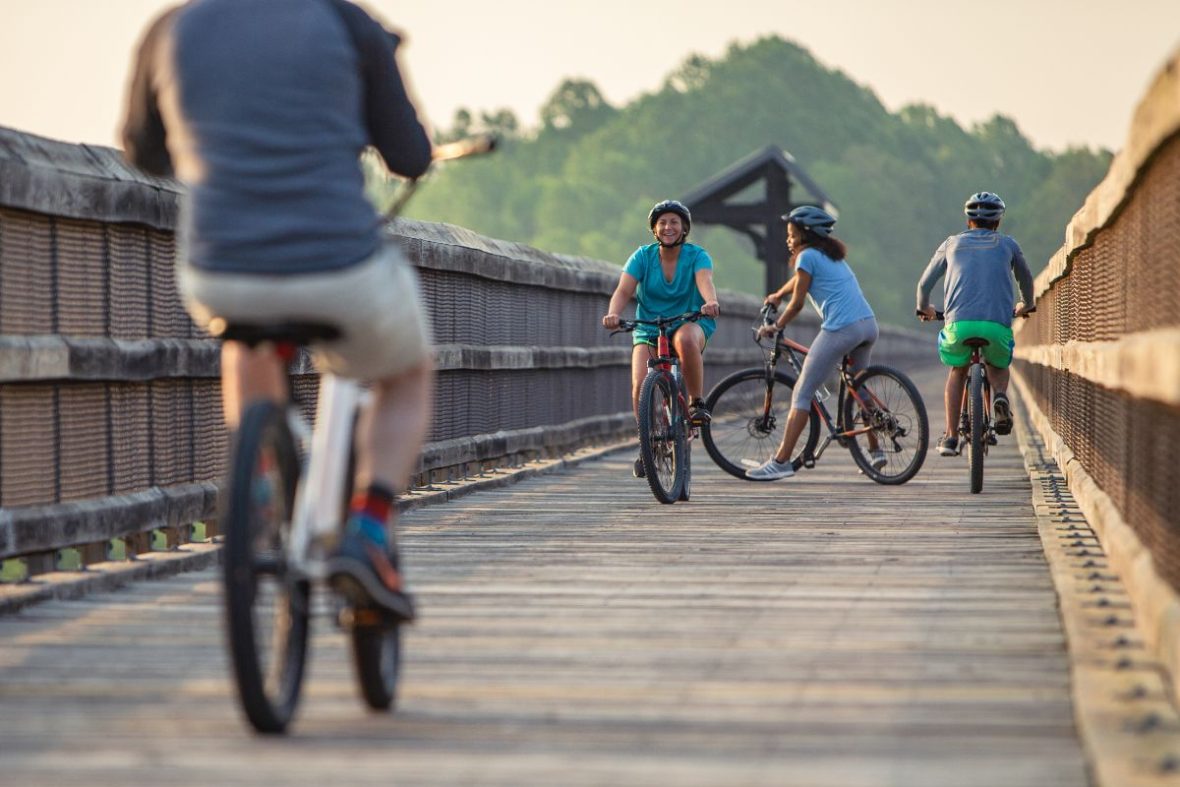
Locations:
(888, 403)
(267, 607)
(976, 448)
(661, 436)
(749, 414)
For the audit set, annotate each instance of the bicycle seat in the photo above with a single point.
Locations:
(253, 334)
(976, 342)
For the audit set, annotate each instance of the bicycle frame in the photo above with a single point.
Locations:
(838, 431)
(667, 361)
(964, 416)
(319, 498)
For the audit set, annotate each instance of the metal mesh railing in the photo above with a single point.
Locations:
(1124, 284)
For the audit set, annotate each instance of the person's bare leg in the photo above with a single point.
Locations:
(796, 420)
(248, 375)
(640, 355)
(998, 379)
(391, 429)
(956, 380)
(689, 342)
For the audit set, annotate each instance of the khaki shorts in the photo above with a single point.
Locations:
(375, 304)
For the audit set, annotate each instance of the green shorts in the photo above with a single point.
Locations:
(998, 351)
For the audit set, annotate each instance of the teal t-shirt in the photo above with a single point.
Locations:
(835, 290)
(657, 297)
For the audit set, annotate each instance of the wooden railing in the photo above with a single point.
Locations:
(1099, 362)
(111, 441)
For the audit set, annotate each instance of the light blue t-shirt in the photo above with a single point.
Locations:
(657, 297)
(834, 289)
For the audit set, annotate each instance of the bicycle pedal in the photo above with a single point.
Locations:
(366, 617)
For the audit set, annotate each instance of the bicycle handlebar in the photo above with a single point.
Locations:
(626, 326)
(471, 146)
(766, 317)
(942, 316)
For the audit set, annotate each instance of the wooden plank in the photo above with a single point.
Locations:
(821, 630)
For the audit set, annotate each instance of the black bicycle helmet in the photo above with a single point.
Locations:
(669, 206)
(815, 219)
(984, 205)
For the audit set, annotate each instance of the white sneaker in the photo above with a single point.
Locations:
(878, 459)
(771, 471)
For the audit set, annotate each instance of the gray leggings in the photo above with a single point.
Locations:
(828, 349)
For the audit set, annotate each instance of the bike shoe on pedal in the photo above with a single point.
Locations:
(698, 414)
(364, 569)
(948, 445)
(1003, 412)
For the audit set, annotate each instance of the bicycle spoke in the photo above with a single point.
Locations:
(891, 420)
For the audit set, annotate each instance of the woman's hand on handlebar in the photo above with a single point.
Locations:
(927, 314)
(711, 309)
(610, 322)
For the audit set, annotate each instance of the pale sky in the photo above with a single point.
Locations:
(1068, 71)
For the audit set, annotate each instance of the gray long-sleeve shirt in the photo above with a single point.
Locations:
(262, 107)
(978, 265)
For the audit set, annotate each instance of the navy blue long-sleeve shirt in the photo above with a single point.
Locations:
(262, 107)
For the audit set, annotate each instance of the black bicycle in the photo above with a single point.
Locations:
(880, 416)
(665, 430)
(977, 424)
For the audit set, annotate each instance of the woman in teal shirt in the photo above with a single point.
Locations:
(667, 278)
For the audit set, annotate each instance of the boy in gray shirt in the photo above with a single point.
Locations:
(979, 303)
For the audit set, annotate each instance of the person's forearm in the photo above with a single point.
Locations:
(618, 301)
(790, 313)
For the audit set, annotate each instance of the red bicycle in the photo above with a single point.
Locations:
(880, 416)
(665, 430)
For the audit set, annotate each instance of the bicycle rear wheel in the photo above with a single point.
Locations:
(375, 644)
(376, 656)
(748, 416)
(889, 403)
(267, 607)
(976, 447)
(661, 436)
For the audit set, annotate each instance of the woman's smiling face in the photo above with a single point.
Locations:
(669, 228)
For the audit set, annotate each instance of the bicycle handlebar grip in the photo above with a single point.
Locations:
(471, 146)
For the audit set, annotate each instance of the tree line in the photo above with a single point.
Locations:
(582, 182)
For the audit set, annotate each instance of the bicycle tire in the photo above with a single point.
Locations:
(686, 488)
(661, 440)
(267, 610)
(737, 437)
(376, 657)
(376, 649)
(976, 447)
(901, 427)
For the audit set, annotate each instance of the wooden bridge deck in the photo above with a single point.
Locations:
(821, 630)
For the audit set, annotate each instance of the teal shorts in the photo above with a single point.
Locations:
(998, 351)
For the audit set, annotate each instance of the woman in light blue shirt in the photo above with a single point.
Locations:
(667, 278)
(848, 325)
